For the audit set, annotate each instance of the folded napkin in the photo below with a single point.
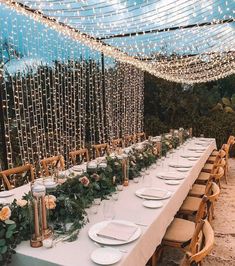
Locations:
(117, 231)
(158, 194)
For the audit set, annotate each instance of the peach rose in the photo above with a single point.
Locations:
(21, 202)
(50, 202)
(61, 180)
(85, 181)
(5, 213)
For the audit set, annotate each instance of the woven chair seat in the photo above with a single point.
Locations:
(180, 231)
(207, 167)
(190, 204)
(197, 190)
(214, 153)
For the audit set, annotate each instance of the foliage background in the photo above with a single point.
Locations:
(172, 105)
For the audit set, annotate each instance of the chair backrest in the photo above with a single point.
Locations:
(52, 164)
(201, 244)
(202, 210)
(218, 173)
(101, 149)
(231, 140)
(117, 143)
(141, 136)
(129, 140)
(18, 176)
(81, 154)
(213, 192)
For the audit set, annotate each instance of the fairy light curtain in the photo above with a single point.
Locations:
(59, 95)
(186, 41)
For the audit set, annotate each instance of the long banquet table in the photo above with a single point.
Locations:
(128, 207)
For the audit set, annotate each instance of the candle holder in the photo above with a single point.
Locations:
(125, 169)
(41, 230)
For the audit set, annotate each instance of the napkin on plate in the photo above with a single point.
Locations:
(180, 165)
(117, 231)
(158, 194)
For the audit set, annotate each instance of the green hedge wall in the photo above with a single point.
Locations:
(171, 105)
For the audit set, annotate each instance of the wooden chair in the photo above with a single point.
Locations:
(180, 232)
(201, 244)
(81, 154)
(221, 154)
(129, 140)
(101, 149)
(116, 143)
(191, 204)
(199, 187)
(52, 164)
(141, 136)
(17, 176)
(213, 195)
(210, 166)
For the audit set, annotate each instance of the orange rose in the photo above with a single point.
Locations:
(50, 202)
(21, 202)
(5, 213)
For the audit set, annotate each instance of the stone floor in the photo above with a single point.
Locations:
(223, 253)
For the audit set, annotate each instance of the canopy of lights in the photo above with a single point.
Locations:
(187, 41)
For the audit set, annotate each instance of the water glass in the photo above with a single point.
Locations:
(136, 179)
(115, 195)
(108, 209)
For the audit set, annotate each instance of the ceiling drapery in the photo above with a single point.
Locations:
(186, 41)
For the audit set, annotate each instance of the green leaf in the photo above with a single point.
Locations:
(8, 222)
(11, 227)
(9, 234)
(226, 101)
(2, 233)
(3, 249)
(2, 242)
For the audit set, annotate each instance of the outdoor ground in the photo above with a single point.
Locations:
(223, 253)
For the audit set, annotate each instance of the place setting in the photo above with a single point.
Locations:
(110, 234)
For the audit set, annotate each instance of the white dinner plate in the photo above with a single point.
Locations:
(152, 204)
(192, 159)
(197, 149)
(139, 193)
(172, 182)
(170, 176)
(195, 155)
(183, 170)
(180, 165)
(7, 193)
(106, 256)
(107, 241)
(3, 201)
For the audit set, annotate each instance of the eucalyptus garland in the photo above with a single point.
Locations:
(67, 203)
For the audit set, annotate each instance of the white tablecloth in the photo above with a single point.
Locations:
(128, 207)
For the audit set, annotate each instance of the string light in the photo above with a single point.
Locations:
(59, 104)
(96, 20)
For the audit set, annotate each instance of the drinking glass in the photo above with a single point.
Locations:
(108, 209)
